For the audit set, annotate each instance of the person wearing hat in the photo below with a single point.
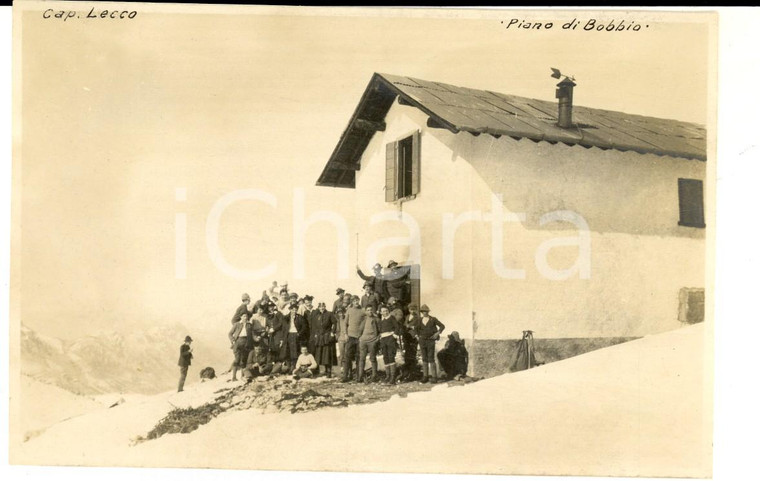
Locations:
(185, 359)
(347, 298)
(257, 306)
(341, 330)
(258, 329)
(339, 301)
(273, 335)
(397, 281)
(355, 317)
(242, 309)
(322, 328)
(454, 358)
(296, 332)
(368, 344)
(283, 299)
(306, 308)
(376, 281)
(428, 330)
(240, 336)
(370, 298)
(410, 368)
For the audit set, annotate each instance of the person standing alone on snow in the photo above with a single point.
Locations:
(185, 359)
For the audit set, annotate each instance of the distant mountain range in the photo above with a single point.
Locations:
(142, 362)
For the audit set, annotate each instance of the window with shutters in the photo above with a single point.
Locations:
(691, 203)
(402, 168)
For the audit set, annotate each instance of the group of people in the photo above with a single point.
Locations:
(282, 333)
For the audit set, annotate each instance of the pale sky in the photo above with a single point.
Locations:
(118, 115)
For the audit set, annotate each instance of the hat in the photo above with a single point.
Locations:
(455, 336)
(391, 300)
(339, 291)
(188, 339)
(424, 308)
(377, 266)
(392, 264)
(293, 296)
(246, 297)
(284, 283)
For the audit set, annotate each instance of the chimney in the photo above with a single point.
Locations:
(565, 95)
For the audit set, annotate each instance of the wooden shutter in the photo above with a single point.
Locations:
(691, 203)
(416, 163)
(391, 152)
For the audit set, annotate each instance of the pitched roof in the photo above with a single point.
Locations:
(460, 109)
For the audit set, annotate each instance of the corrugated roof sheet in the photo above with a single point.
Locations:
(461, 109)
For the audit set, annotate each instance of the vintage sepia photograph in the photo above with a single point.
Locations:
(364, 240)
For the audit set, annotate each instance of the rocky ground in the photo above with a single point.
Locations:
(285, 394)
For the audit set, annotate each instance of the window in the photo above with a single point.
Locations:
(402, 168)
(690, 203)
(691, 305)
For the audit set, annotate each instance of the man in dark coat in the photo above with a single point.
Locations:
(428, 330)
(397, 282)
(293, 328)
(454, 358)
(339, 301)
(185, 359)
(376, 281)
(409, 343)
(302, 329)
(277, 326)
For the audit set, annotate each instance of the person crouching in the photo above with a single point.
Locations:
(258, 364)
(306, 365)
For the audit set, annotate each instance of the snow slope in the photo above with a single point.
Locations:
(642, 408)
(46, 405)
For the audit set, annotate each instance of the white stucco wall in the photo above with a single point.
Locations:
(639, 255)
(449, 299)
